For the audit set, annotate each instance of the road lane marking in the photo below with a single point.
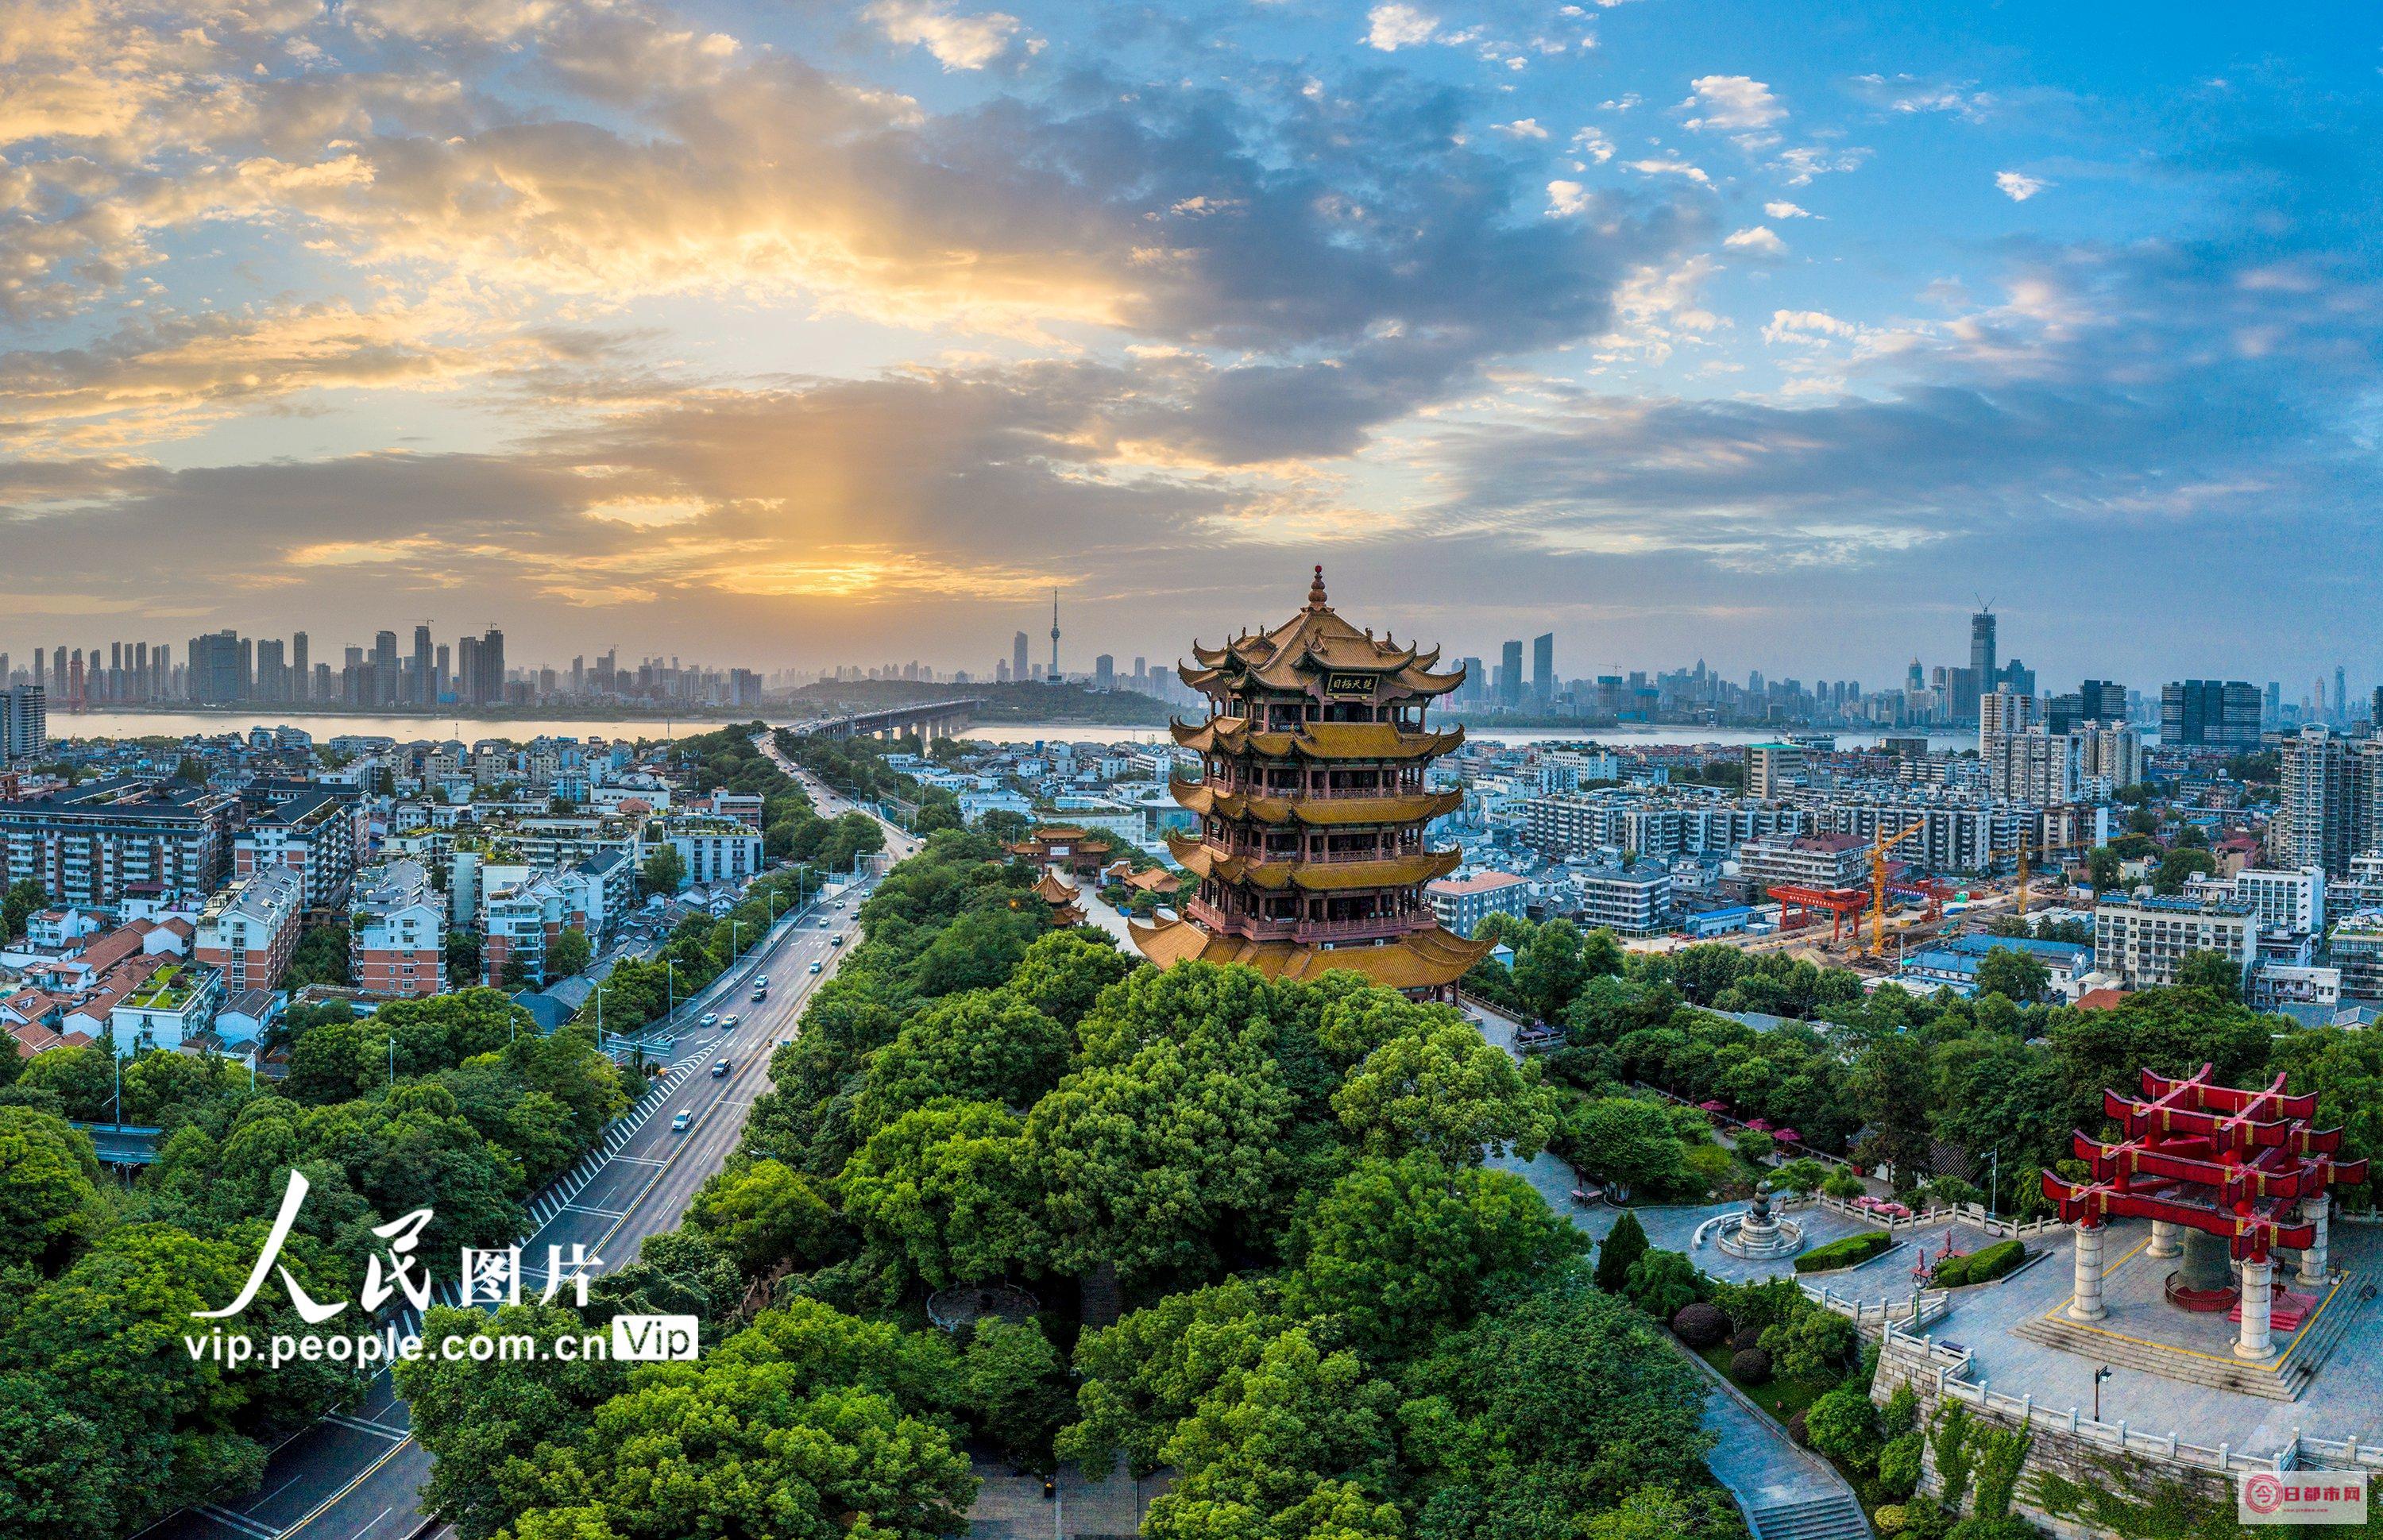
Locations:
(238, 1523)
(354, 1481)
(395, 1436)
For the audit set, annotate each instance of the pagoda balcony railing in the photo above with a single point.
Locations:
(1304, 793)
(1321, 858)
(1260, 929)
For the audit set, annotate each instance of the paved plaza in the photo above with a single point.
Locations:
(2345, 1400)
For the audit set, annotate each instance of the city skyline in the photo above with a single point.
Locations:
(856, 332)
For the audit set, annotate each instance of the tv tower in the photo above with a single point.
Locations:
(1054, 636)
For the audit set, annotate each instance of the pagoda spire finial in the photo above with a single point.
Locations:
(1315, 589)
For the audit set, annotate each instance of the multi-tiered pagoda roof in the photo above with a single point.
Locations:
(1309, 853)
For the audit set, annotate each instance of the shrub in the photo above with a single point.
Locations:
(1898, 1463)
(1700, 1325)
(1843, 1425)
(1750, 1366)
(1996, 1260)
(1662, 1282)
(1815, 1346)
(1745, 1338)
(1624, 1245)
(1759, 1304)
(1845, 1252)
(1891, 1519)
(1710, 1168)
(1796, 1429)
(1843, 1184)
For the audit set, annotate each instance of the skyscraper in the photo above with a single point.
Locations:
(488, 685)
(2210, 713)
(1018, 666)
(1981, 647)
(424, 692)
(1509, 675)
(384, 664)
(300, 672)
(1543, 669)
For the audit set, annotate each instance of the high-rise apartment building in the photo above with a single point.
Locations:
(301, 673)
(2003, 713)
(2329, 805)
(24, 723)
(216, 675)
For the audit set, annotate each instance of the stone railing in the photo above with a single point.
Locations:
(1974, 1215)
(1915, 1310)
(1947, 1367)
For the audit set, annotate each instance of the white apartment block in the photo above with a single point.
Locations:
(1633, 902)
(2144, 941)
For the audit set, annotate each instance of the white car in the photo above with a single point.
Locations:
(679, 1123)
(710, 1019)
(815, 968)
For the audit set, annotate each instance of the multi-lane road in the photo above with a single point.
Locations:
(359, 1475)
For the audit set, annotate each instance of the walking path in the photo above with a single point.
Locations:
(1785, 1493)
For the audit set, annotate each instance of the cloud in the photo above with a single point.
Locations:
(1758, 238)
(2018, 185)
(957, 42)
(1521, 128)
(1801, 163)
(1806, 325)
(1910, 94)
(1592, 145)
(1393, 27)
(1779, 208)
(1669, 164)
(1567, 198)
(1735, 102)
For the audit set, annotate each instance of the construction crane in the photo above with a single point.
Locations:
(2023, 852)
(1880, 846)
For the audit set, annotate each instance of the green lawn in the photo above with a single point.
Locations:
(1781, 1399)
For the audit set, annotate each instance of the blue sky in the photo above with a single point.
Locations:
(840, 334)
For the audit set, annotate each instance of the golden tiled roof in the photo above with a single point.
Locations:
(1423, 960)
(1317, 740)
(1316, 640)
(1313, 876)
(1051, 890)
(1338, 812)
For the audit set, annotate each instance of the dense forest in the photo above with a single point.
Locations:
(453, 1103)
(1333, 1319)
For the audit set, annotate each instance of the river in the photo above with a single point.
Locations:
(176, 724)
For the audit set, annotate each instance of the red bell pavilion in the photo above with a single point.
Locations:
(1310, 853)
(2230, 1172)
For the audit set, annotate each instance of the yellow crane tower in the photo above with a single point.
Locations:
(1879, 845)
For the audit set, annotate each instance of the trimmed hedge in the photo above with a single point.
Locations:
(1750, 1366)
(1980, 1266)
(1847, 1252)
(1745, 1338)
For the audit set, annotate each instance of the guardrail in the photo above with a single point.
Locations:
(1915, 1310)
(1973, 1214)
(1949, 1366)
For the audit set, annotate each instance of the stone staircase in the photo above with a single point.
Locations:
(2284, 1384)
(1837, 1518)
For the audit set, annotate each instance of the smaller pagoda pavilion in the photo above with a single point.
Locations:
(2228, 1177)
(1065, 910)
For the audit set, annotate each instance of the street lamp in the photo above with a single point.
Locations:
(670, 989)
(2099, 1375)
